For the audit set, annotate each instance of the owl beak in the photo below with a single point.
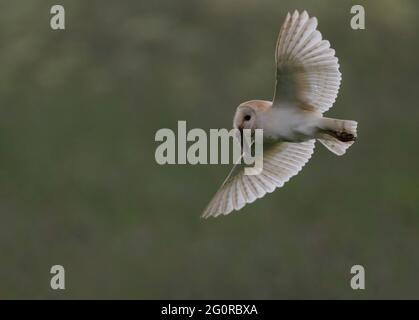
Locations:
(241, 138)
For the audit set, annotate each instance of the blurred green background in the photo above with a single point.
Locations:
(79, 185)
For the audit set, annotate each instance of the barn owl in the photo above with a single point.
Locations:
(307, 84)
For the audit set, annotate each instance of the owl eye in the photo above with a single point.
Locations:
(247, 117)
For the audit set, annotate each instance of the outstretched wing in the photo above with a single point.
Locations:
(306, 67)
(281, 161)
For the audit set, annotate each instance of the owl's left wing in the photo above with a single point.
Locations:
(307, 70)
(281, 161)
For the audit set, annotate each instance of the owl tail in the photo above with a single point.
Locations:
(337, 135)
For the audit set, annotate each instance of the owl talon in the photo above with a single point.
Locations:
(345, 136)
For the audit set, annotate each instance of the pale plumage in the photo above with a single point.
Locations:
(307, 84)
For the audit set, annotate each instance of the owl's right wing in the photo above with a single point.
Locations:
(281, 161)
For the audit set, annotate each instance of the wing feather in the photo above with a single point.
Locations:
(281, 161)
(306, 67)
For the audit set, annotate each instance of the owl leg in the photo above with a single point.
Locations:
(343, 130)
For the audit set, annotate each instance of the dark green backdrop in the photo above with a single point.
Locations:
(79, 185)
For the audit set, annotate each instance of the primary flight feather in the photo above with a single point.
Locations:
(307, 84)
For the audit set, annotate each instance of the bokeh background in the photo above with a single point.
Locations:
(79, 185)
